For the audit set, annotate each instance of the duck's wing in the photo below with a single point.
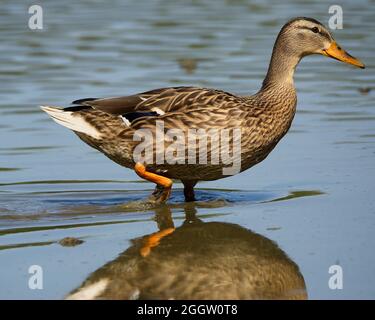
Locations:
(184, 106)
(159, 101)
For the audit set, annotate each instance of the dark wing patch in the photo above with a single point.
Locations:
(131, 116)
(77, 108)
(117, 105)
(83, 101)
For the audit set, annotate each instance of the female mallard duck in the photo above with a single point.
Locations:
(113, 125)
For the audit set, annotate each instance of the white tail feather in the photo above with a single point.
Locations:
(89, 292)
(72, 121)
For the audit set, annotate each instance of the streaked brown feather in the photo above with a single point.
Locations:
(263, 118)
(165, 99)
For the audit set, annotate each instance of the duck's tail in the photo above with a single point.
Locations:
(72, 120)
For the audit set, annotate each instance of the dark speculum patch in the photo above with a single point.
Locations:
(80, 101)
(76, 108)
(131, 116)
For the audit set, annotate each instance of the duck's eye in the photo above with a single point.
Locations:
(315, 30)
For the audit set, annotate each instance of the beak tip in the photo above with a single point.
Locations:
(336, 52)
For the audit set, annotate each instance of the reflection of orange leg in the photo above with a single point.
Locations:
(153, 240)
(164, 185)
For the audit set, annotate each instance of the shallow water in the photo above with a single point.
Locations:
(313, 195)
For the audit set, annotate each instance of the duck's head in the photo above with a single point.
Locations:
(304, 36)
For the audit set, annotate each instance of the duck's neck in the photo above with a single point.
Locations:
(282, 65)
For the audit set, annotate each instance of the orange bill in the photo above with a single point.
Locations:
(336, 52)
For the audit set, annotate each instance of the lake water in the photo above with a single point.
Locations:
(313, 196)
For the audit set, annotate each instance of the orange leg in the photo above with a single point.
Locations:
(164, 185)
(153, 240)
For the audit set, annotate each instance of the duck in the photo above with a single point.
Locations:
(194, 134)
(197, 260)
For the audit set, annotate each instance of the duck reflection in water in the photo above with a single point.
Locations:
(198, 260)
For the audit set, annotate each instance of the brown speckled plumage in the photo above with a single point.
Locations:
(263, 118)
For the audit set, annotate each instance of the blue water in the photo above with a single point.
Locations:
(53, 186)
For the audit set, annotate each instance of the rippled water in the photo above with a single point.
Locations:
(313, 195)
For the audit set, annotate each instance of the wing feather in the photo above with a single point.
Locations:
(174, 99)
